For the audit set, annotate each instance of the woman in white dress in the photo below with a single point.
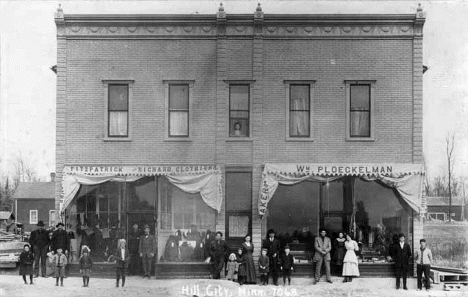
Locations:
(350, 261)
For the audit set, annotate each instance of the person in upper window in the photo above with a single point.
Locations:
(237, 130)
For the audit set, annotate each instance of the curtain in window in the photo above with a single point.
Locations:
(178, 123)
(360, 123)
(299, 110)
(118, 123)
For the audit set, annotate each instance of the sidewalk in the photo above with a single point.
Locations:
(136, 286)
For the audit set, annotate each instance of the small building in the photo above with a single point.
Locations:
(34, 202)
(6, 220)
(438, 208)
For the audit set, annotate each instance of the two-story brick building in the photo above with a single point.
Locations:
(240, 123)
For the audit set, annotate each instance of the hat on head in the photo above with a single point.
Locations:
(286, 247)
(85, 249)
(271, 231)
(40, 224)
(59, 249)
(60, 224)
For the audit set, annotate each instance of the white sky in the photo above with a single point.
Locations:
(28, 49)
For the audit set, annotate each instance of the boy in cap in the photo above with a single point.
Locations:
(273, 246)
(60, 260)
(264, 266)
(287, 265)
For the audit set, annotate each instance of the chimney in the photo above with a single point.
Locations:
(52, 177)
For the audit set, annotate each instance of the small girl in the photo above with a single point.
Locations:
(86, 264)
(241, 271)
(60, 261)
(26, 264)
(232, 268)
(264, 265)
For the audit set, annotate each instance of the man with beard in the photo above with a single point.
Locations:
(39, 242)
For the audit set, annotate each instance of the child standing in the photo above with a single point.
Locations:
(122, 256)
(232, 267)
(241, 270)
(264, 265)
(287, 265)
(60, 261)
(86, 264)
(26, 264)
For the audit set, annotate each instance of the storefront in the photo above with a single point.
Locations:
(373, 202)
(180, 204)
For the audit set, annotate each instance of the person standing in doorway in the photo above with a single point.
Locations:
(39, 242)
(122, 256)
(219, 250)
(133, 246)
(401, 253)
(350, 261)
(322, 255)
(147, 249)
(273, 246)
(423, 258)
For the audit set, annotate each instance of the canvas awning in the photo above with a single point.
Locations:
(406, 179)
(208, 180)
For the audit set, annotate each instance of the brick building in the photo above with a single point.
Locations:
(241, 123)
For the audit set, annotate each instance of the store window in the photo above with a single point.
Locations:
(379, 217)
(33, 216)
(299, 116)
(360, 106)
(239, 110)
(51, 218)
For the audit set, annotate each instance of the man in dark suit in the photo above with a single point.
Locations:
(39, 242)
(401, 253)
(147, 250)
(133, 246)
(60, 239)
(273, 246)
(322, 255)
(219, 250)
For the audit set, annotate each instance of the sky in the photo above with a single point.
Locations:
(28, 50)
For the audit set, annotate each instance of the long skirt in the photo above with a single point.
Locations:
(350, 264)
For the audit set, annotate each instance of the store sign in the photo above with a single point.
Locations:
(344, 169)
(140, 170)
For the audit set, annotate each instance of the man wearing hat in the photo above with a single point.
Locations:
(147, 250)
(39, 242)
(60, 239)
(273, 246)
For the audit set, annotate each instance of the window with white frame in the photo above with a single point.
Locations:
(51, 217)
(33, 214)
(360, 110)
(299, 110)
(178, 109)
(118, 98)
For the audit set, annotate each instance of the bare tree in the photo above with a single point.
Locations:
(24, 171)
(449, 146)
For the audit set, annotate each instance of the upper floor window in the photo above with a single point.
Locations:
(178, 110)
(239, 110)
(118, 95)
(118, 110)
(359, 110)
(299, 124)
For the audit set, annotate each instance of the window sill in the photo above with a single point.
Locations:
(360, 139)
(117, 139)
(177, 139)
(293, 139)
(239, 139)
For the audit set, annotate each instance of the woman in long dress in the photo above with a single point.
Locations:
(340, 249)
(248, 249)
(350, 261)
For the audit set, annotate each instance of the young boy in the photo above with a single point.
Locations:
(423, 259)
(60, 261)
(287, 265)
(86, 264)
(241, 270)
(264, 265)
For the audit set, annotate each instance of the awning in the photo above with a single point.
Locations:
(208, 180)
(407, 179)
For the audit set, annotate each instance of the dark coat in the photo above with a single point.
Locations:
(242, 269)
(60, 240)
(400, 255)
(39, 238)
(219, 250)
(86, 262)
(147, 245)
(134, 241)
(122, 262)
(287, 261)
(273, 247)
(26, 261)
(264, 261)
